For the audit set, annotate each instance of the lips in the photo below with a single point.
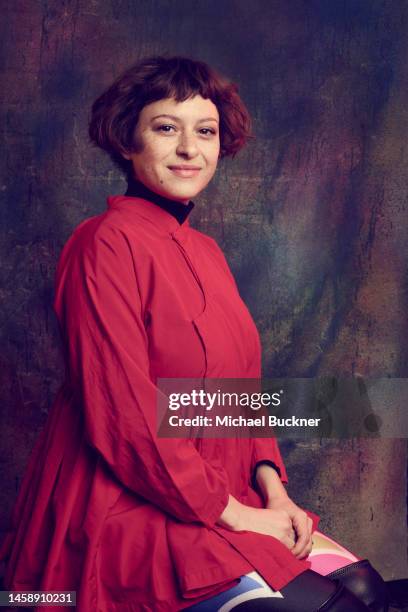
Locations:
(185, 171)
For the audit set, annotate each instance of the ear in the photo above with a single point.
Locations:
(125, 153)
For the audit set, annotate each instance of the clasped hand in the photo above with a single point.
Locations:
(282, 519)
(300, 525)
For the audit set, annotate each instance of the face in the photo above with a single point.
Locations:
(178, 146)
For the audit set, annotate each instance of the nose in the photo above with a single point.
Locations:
(187, 145)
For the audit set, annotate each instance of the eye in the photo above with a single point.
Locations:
(165, 128)
(207, 131)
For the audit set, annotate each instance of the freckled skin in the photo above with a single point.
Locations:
(171, 133)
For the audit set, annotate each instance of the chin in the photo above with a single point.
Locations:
(181, 193)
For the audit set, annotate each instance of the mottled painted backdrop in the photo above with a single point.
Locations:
(312, 216)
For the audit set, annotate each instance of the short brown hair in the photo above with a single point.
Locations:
(116, 112)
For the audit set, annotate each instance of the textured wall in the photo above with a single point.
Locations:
(312, 216)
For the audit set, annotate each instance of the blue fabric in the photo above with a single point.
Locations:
(245, 585)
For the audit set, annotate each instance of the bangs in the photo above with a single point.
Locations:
(180, 79)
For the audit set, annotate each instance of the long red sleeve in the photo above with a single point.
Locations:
(100, 314)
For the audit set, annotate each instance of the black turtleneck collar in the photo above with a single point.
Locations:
(180, 211)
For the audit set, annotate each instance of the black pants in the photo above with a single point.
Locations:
(354, 588)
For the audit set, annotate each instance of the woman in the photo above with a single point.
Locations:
(129, 520)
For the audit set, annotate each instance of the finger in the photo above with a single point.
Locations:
(303, 535)
(304, 553)
(301, 545)
(300, 521)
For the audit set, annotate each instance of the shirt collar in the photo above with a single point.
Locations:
(180, 211)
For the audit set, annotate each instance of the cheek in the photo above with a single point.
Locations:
(147, 161)
(214, 155)
(150, 149)
(213, 159)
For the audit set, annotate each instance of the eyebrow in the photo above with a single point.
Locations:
(178, 118)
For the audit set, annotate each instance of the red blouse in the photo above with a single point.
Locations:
(106, 507)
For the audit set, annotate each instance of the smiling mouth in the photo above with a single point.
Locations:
(185, 171)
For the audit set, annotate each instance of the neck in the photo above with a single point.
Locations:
(179, 209)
